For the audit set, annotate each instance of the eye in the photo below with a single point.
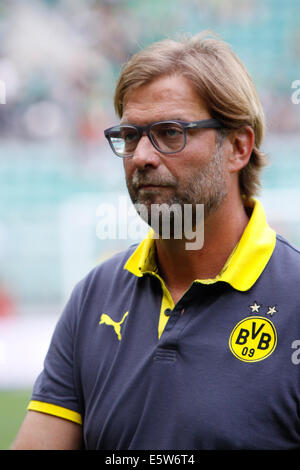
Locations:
(168, 131)
(172, 132)
(128, 135)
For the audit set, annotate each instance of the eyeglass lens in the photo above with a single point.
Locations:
(166, 136)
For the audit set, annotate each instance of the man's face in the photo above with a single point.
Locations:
(193, 176)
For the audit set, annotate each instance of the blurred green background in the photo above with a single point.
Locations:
(59, 60)
(12, 411)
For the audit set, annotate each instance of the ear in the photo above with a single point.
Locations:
(242, 143)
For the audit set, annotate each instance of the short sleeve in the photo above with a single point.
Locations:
(54, 391)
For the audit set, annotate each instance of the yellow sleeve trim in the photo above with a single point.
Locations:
(55, 410)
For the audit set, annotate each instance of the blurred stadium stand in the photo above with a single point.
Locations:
(59, 60)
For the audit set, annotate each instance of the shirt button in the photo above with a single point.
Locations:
(168, 312)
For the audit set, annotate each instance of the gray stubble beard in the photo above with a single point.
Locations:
(207, 189)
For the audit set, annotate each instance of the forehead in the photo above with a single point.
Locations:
(170, 97)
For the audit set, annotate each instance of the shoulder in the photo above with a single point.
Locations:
(108, 275)
(286, 257)
(287, 248)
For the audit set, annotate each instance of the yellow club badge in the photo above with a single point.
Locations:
(253, 339)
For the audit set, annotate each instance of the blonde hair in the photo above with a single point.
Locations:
(220, 79)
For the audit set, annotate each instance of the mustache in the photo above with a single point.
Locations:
(140, 178)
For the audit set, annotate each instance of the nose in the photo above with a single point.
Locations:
(145, 154)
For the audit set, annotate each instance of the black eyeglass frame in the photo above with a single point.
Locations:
(203, 124)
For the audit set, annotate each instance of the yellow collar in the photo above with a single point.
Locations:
(243, 267)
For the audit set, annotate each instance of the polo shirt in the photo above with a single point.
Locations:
(218, 370)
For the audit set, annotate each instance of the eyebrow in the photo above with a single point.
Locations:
(151, 122)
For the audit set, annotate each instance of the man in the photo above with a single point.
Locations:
(162, 347)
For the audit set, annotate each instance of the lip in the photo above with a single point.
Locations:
(152, 186)
(149, 186)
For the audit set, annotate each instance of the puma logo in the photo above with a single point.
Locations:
(117, 325)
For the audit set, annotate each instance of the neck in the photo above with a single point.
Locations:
(179, 267)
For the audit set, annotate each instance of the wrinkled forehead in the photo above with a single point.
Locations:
(167, 97)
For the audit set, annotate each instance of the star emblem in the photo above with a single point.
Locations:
(271, 311)
(255, 307)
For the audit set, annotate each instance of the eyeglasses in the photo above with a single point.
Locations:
(166, 136)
